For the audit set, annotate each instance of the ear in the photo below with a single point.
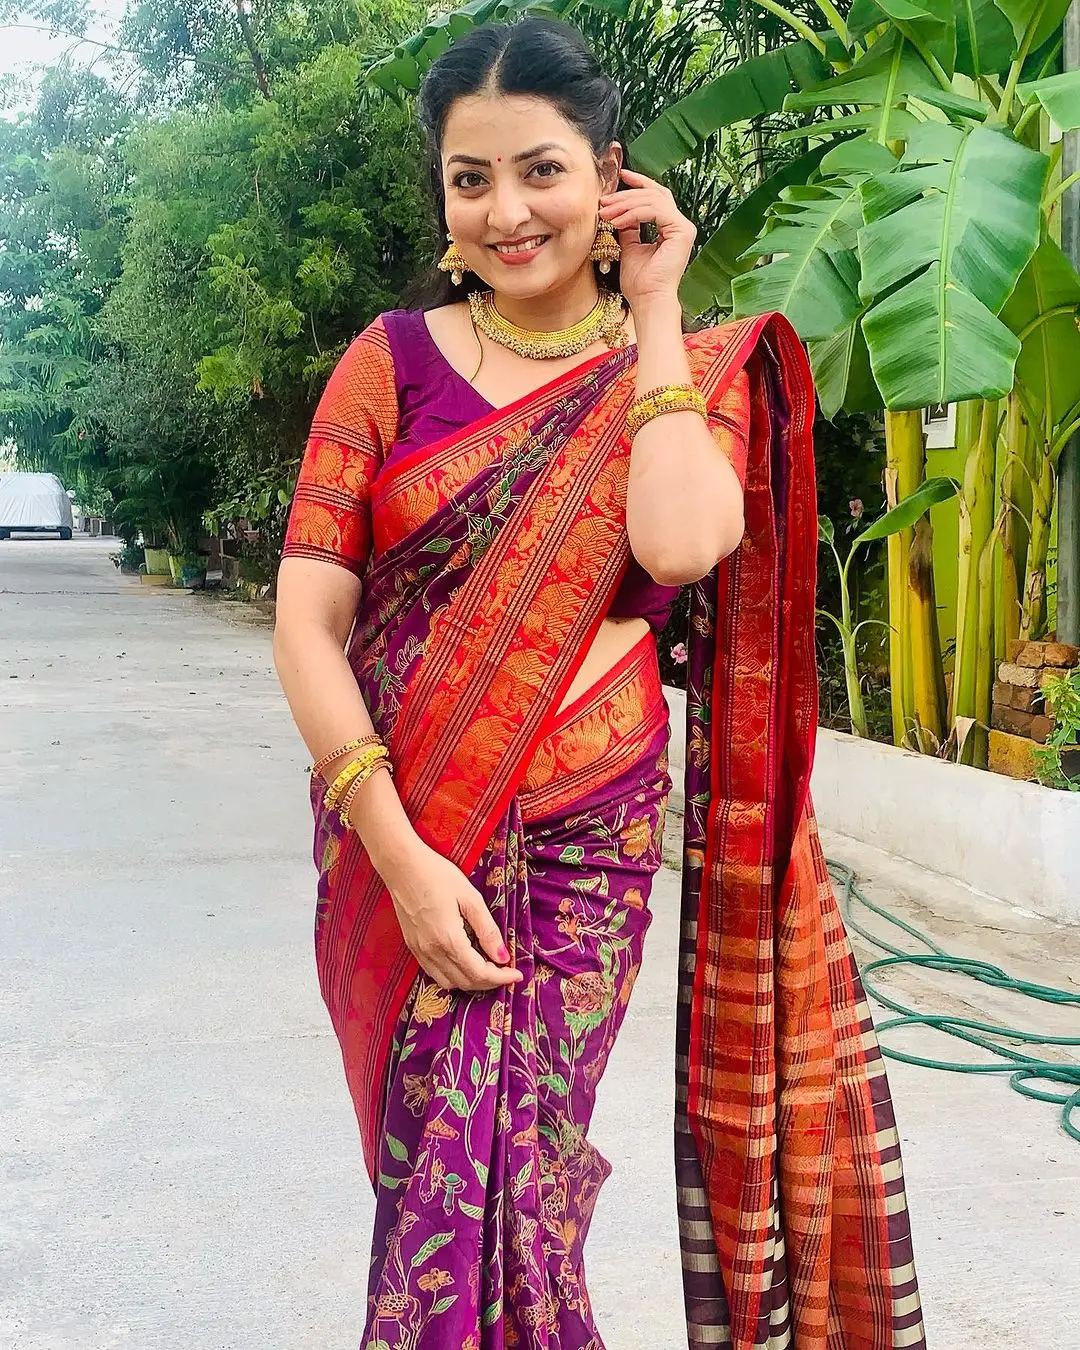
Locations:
(609, 166)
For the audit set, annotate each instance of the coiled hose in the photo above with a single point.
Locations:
(1024, 1068)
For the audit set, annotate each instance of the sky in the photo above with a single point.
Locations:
(21, 49)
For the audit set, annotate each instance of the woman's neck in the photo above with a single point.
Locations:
(552, 310)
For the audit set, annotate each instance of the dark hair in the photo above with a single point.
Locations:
(538, 57)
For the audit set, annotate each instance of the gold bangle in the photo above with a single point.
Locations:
(343, 781)
(358, 744)
(667, 398)
(345, 805)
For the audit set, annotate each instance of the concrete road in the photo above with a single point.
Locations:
(179, 1162)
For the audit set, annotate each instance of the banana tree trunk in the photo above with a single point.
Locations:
(974, 606)
(1016, 501)
(1033, 620)
(919, 694)
(900, 682)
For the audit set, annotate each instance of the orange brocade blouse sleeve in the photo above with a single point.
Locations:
(353, 429)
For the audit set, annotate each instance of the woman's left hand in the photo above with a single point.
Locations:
(648, 271)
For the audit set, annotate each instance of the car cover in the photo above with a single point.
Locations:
(33, 501)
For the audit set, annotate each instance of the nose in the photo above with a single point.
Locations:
(508, 210)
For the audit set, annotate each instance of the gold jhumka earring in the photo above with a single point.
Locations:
(453, 261)
(605, 249)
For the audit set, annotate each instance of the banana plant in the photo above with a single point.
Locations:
(911, 241)
(901, 517)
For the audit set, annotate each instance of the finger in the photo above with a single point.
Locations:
(645, 209)
(480, 920)
(477, 973)
(438, 975)
(622, 201)
(639, 179)
(623, 218)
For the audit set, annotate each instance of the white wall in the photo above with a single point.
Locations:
(1016, 841)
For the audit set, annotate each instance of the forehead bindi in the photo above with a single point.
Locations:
(499, 129)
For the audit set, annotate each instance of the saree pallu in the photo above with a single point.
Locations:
(472, 627)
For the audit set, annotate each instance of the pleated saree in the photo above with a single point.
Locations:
(489, 560)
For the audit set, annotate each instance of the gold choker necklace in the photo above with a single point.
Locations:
(605, 320)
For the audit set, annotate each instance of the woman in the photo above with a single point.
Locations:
(499, 508)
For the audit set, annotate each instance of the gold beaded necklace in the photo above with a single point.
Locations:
(605, 320)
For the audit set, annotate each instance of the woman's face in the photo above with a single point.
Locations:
(522, 191)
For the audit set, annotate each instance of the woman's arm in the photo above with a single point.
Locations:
(684, 503)
(316, 604)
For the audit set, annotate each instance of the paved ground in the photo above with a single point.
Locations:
(179, 1164)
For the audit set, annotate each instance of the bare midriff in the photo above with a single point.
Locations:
(615, 639)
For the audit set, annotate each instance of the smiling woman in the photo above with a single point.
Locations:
(501, 492)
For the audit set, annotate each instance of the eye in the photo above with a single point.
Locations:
(547, 169)
(468, 179)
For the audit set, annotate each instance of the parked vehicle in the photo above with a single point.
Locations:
(34, 503)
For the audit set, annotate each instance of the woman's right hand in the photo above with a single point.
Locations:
(434, 901)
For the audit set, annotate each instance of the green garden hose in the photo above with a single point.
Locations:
(1024, 1069)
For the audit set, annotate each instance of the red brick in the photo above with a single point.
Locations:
(1012, 755)
(1030, 654)
(1012, 720)
(1040, 729)
(1060, 654)
(1049, 675)
(1024, 676)
(1023, 700)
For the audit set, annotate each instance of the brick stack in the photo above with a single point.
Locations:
(1019, 721)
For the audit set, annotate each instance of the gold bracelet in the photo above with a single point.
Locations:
(667, 398)
(358, 744)
(345, 805)
(372, 754)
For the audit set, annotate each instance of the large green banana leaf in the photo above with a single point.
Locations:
(706, 284)
(752, 89)
(946, 239)
(1059, 95)
(404, 69)
(1049, 361)
(985, 44)
(929, 25)
(842, 375)
(888, 75)
(1044, 16)
(814, 275)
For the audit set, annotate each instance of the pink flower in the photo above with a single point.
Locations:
(856, 507)
(678, 653)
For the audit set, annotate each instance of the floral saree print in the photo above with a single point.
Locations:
(489, 560)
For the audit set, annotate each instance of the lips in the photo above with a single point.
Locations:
(518, 251)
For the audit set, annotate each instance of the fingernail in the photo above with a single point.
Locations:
(504, 955)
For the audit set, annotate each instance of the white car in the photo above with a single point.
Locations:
(34, 503)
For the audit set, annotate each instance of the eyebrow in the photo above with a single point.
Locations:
(518, 159)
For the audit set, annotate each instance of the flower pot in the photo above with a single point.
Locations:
(157, 562)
